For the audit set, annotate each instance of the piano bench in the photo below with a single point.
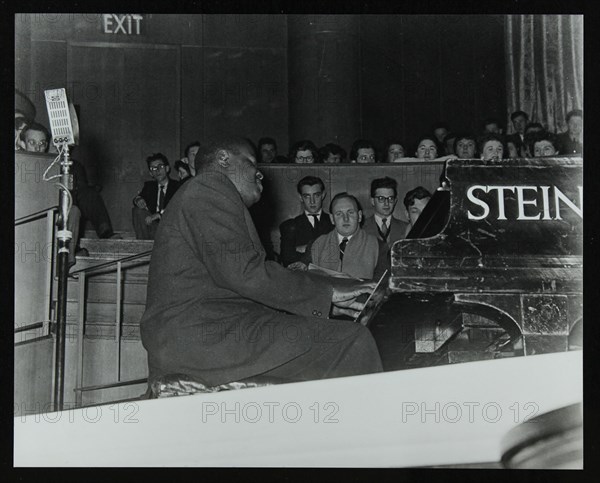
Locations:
(182, 385)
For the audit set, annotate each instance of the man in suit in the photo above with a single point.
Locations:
(348, 248)
(383, 225)
(571, 141)
(219, 312)
(297, 232)
(519, 121)
(150, 203)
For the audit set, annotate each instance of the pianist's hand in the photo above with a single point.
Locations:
(298, 266)
(344, 298)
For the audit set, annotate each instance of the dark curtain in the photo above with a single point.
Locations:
(544, 67)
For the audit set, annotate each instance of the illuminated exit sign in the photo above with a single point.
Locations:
(123, 24)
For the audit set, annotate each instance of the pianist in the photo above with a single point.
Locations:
(218, 312)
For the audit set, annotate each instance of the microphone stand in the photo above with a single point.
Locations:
(64, 240)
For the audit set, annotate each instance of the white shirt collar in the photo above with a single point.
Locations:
(379, 218)
(341, 237)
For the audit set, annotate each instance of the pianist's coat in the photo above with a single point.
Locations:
(213, 303)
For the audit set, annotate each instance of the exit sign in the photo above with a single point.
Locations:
(122, 24)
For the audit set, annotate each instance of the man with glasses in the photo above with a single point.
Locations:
(383, 224)
(151, 201)
(363, 151)
(297, 232)
(304, 152)
(87, 202)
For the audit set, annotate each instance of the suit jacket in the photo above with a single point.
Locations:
(567, 146)
(299, 231)
(364, 256)
(150, 193)
(397, 231)
(214, 304)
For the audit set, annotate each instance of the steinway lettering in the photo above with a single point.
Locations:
(525, 199)
(128, 24)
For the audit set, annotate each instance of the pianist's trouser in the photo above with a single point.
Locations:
(329, 348)
(142, 230)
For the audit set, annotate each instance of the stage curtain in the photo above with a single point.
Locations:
(544, 67)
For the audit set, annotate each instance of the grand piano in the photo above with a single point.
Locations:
(498, 247)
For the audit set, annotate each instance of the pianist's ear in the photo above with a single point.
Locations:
(223, 158)
(359, 216)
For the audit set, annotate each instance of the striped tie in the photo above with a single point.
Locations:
(343, 248)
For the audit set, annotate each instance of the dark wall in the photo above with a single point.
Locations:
(420, 69)
(190, 77)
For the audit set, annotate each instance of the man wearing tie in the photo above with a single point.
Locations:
(347, 249)
(384, 196)
(297, 232)
(151, 201)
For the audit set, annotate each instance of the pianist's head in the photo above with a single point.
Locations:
(35, 137)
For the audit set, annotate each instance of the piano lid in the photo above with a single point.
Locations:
(509, 213)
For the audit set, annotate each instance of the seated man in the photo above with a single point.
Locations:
(151, 201)
(395, 152)
(183, 170)
(348, 248)
(190, 156)
(465, 146)
(297, 232)
(267, 151)
(332, 153)
(217, 311)
(363, 151)
(571, 141)
(414, 202)
(384, 196)
(519, 121)
(87, 202)
(491, 124)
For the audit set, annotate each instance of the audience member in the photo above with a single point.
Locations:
(151, 201)
(190, 156)
(394, 152)
(415, 201)
(491, 147)
(21, 122)
(348, 248)
(363, 151)
(449, 143)
(512, 150)
(426, 148)
(332, 153)
(571, 141)
(267, 150)
(383, 224)
(519, 121)
(183, 170)
(491, 124)
(297, 232)
(304, 152)
(439, 132)
(542, 144)
(465, 146)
